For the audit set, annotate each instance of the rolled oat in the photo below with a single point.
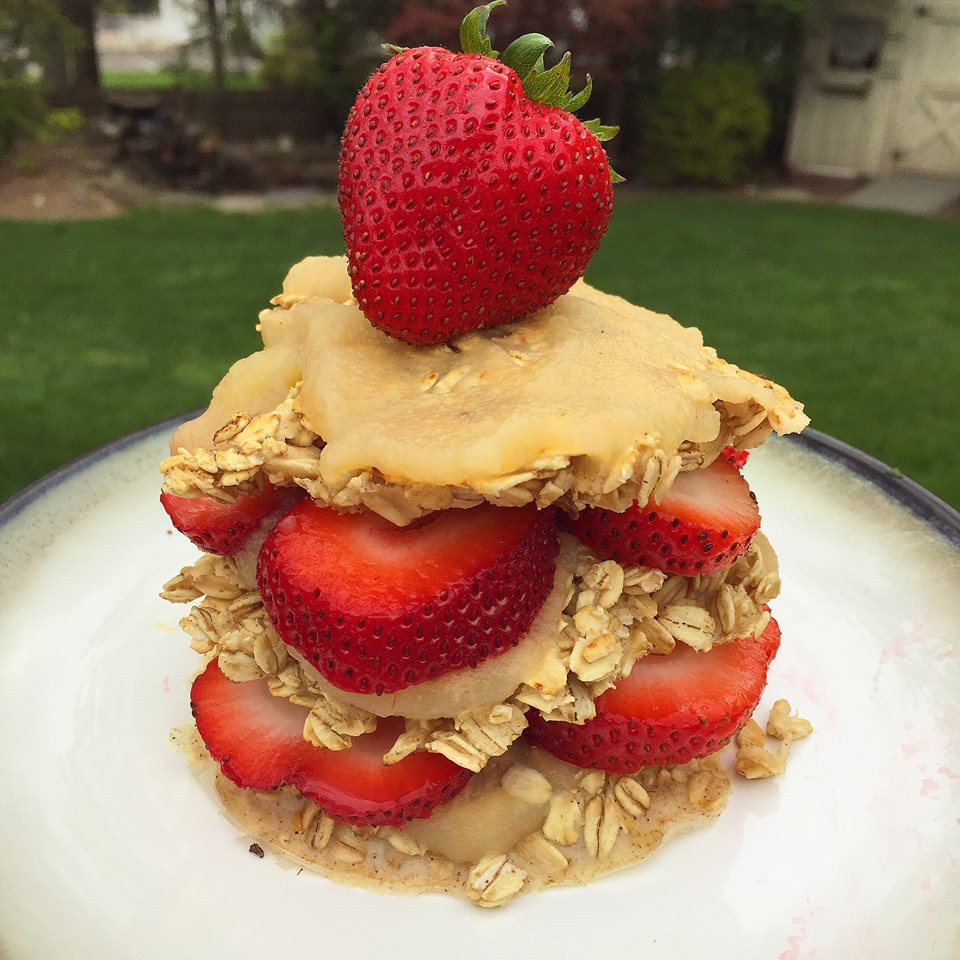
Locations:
(564, 821)
(494, 881)
(785, 727)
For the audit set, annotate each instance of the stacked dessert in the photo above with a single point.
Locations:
(483, 589)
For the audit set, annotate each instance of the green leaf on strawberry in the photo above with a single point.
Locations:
(549, 86)
(525, 54)
(473, 30)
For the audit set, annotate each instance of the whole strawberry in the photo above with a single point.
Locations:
(470, 195)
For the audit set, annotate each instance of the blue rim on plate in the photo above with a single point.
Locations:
(20, 501)
(925, 505)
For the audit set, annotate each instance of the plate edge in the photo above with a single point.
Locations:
(923, 504)
(16, 504)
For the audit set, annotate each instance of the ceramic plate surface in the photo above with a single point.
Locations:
(111, 849)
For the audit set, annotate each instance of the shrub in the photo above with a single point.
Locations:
(23, 112)
(27, 30)
(705, 126)
(26, 120)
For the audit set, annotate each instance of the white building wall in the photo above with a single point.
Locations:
(899, 111)
(143, 41)
(150, 42)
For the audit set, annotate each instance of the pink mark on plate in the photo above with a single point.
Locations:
(793, 953)
(953, 650)
(949, 774)
(794, 680)
(795, 942)
(898, 647)
(929, 787)
(911, 636)
(910, 749)
(166, 684)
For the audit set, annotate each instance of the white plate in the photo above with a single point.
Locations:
(111, 850)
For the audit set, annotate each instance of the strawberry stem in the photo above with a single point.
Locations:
(525, 56)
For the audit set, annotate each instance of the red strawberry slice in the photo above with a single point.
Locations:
(225, 527)
(470, 195)
(670, 709)
(258, 741)
(704, 522)
(736, 458)
(376, 608)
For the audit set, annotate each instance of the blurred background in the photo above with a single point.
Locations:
(793, 190)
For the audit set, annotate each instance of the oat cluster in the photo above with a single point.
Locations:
(616, 615)
(276, 446)
(280, 446)
(754, 761)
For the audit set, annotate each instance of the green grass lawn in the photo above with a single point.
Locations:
(168, 79)
(111, 325)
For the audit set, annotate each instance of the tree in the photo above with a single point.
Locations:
(226, 29)
(27, 27)
(27, 30)
(38, 32)
(215, 39)
(82, 60)
(329, 47)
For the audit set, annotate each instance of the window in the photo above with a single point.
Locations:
(141, 8)
(856, 43)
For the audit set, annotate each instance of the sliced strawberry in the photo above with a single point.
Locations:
(704, 522)
(225, 527)
(670, 709)
(736, 458)
(376, 608)
(258, 741)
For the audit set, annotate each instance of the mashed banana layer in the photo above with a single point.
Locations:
(528, 821)
(590, 401)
